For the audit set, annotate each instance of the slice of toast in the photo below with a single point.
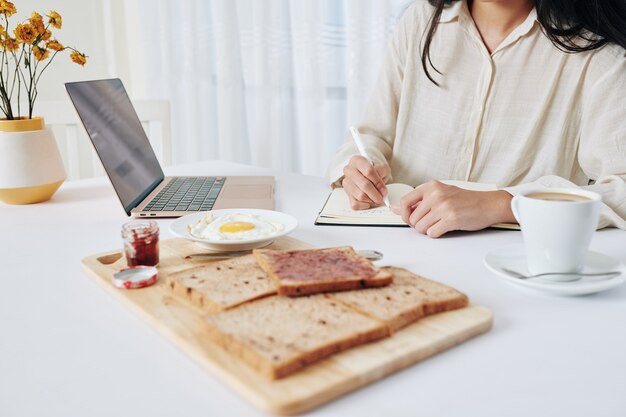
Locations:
(277, 336)
(311, 271)
(405, 301)
(221, 285)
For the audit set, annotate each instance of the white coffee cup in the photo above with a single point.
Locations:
(557, 227)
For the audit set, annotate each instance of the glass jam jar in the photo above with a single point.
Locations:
(141, 242)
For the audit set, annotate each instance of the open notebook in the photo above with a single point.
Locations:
(337, 209)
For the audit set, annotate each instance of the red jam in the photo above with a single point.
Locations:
(141, 243)
(316, 265)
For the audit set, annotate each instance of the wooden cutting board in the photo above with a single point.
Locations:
(307, 389)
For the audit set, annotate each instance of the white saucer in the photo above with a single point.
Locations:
(513, 257)
(179, 228)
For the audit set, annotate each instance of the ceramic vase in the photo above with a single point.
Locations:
(31, 168)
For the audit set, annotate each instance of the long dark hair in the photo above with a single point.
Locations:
(571, 25)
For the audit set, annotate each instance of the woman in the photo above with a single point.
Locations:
(518, 93)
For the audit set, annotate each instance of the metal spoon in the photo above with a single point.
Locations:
(609, 274)
(372, 255)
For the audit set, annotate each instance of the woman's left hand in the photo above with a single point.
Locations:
(435, 208)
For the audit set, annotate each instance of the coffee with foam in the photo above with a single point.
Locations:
(563, 197)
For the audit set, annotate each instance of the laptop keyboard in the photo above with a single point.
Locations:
(187, 194)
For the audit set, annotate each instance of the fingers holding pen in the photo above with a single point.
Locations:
(358, 199)
(363, 181)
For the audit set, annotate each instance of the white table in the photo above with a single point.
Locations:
(67, 348)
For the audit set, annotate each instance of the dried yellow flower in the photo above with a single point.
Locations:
(55, 19)
(54, 45)
(27, 49)
(25, 33)
(7, 8)
(37, 21)
(78, 58)
(40, 53)
(9, 44)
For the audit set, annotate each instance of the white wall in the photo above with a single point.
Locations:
(85, 27)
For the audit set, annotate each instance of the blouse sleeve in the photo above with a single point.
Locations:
(602, 146)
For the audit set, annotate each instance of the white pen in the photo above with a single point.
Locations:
(359, 144)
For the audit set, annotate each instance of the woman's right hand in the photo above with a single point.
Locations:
(365, 183)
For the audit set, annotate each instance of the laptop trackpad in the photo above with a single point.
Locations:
(246, 192)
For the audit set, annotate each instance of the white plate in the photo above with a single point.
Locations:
(513, 257)
(179, 228)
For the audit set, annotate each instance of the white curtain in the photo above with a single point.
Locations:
(273, 83)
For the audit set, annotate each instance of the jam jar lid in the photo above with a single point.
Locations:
(135, 277)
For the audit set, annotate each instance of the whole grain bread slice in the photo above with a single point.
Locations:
(311, 271)
(277, 336)
(405, 301)
(221, 285)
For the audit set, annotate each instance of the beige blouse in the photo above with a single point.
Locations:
(526, 116)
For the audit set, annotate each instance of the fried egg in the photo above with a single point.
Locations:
(235, 226)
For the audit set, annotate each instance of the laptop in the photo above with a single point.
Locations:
(129, 160)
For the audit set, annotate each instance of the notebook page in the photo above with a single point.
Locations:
(338, 205)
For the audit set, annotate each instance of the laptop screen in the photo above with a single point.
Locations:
(118, 137)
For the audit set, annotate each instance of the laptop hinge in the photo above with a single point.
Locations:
(143, 195)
